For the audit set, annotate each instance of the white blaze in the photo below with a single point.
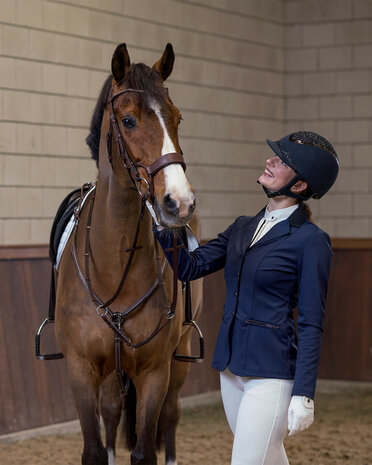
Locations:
(176, 183)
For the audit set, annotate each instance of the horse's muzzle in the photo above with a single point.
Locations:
(173, 213)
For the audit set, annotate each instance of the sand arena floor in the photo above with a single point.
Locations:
(340, 435)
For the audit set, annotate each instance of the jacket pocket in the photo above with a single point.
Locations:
(263, 324)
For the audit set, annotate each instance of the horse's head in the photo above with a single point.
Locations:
(145, 118)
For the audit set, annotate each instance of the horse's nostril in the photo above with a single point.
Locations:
(170, 204)
(192, 206)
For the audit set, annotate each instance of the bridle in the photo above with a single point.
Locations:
(115, 320)
(155, 167)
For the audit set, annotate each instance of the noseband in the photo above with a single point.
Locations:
(155, 167)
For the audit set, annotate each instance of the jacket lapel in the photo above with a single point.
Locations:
(250, 229)
(280, 229)
(297, 219)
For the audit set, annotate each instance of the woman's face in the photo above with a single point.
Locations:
(276, 175)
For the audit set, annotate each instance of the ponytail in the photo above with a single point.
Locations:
(306, 209)
(307, 193)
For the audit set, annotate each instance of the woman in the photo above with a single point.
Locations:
(273, 262)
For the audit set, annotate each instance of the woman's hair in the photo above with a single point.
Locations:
(307, 209)
(306, 193)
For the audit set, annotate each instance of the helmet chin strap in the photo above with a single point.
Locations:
(286, 190)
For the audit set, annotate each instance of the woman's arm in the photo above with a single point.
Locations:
(204, 260)
(314, 267)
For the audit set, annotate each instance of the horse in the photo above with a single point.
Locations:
(141, 179)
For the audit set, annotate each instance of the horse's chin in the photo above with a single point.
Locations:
(170, 221)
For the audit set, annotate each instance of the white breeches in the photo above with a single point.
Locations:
(257, 412)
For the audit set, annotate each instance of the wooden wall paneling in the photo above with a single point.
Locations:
(46, 374)
(39, 304)
(365, 289)
(13, 323)
(347, 337)
(54, 383)
(37, 393)
(8, 420)
(202, 377)
(24, 306)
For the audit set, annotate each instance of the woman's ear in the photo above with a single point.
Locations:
(300, 186)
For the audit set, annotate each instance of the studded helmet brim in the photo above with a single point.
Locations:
(284, 156)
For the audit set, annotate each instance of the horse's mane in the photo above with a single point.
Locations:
(140, 77)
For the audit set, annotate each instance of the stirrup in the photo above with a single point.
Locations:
(192, 358)
(40, 356)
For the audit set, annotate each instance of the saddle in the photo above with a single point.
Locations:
(62, 218)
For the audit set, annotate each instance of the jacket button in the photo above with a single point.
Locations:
(237, 273)
(235, 293)
(232, 313)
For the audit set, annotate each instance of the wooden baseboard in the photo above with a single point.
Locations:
(351, 243)
(25, 252)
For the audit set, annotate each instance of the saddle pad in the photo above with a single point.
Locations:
(63, 224)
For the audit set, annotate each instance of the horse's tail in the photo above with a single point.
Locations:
(129, 425)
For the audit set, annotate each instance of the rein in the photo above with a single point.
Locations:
(116, 320)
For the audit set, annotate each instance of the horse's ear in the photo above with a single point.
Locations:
(120, 62)
(165, 65)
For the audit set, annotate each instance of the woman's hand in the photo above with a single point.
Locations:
(300, 414)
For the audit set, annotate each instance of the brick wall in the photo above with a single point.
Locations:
(328, 80)
(55, 55)
(244, 71)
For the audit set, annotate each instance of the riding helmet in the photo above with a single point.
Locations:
(313, 159)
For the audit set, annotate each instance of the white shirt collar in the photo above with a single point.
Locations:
(280, 214)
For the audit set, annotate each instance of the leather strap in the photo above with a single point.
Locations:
(157, 165)
(115, 320)
(164, 161)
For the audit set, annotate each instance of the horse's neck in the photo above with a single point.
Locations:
(115, 219)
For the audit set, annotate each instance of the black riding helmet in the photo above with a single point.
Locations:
(312, 158)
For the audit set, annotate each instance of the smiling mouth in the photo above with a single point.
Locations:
(268, 173)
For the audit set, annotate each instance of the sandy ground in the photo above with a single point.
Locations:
(340, 435)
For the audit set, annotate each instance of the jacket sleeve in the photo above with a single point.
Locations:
(314, 267)
(204, 260)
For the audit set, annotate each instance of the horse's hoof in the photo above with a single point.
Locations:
(95, 457)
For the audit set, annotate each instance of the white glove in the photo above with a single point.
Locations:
(300, 414)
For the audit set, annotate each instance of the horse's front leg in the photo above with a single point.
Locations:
(85, 384)
(111, 409)
(171, 411)
(151, 388)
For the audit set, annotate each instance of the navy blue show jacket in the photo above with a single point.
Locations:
(288, 267)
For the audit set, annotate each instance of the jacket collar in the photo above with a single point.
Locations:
(296, 219)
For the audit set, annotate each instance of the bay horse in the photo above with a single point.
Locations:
(134, 139)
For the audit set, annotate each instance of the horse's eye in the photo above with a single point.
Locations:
(179, 121)
(128, 122)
